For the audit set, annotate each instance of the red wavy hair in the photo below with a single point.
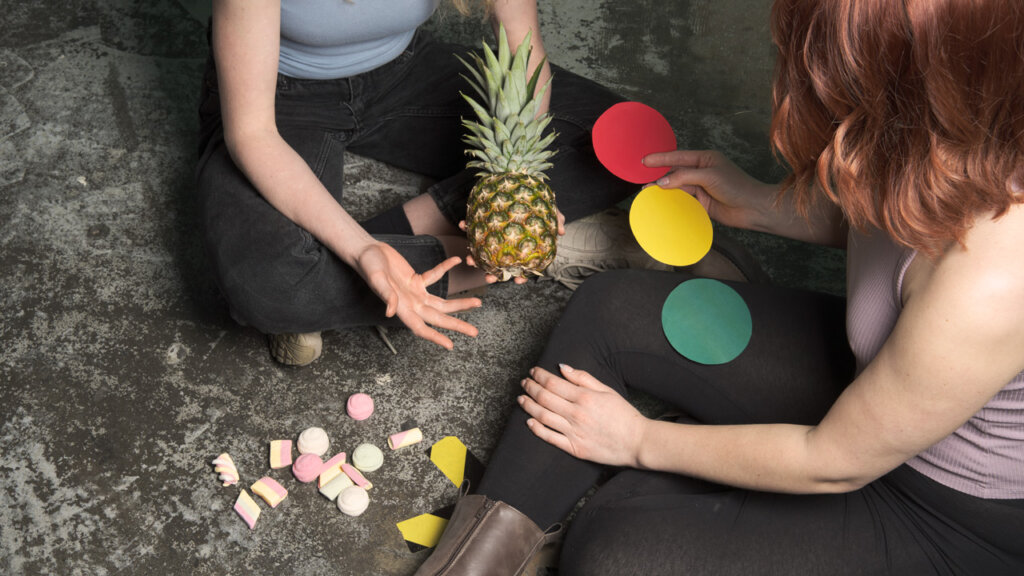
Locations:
(908, 114)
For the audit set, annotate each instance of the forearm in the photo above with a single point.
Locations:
(520, 18)
(285, 180)
(246, 46)
(768, 457)
(733, 197)
(824, 223)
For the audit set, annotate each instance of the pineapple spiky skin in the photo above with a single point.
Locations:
(511, 218)
(512, 225)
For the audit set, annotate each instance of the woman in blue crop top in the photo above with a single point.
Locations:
(294, 84)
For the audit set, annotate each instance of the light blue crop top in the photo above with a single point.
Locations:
(322, 39)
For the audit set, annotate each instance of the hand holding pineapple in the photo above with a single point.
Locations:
(511, 219)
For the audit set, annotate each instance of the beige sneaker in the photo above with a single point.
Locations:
(295, 349)
(599, 242)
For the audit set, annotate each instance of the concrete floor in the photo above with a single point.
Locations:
(121, 374)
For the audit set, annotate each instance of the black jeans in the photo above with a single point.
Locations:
(275, 275)
(650, 523)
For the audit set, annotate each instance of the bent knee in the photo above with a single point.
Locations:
(271, 292)
(617, 299)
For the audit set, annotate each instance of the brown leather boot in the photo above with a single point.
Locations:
(485, 537)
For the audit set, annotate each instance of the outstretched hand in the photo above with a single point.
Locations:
(583, 417)
(405, 294)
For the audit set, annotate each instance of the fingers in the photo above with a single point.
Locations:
(452, 323)
(548, 435)
(420, 329)
(688, 172)
(431, 335)
(554, 394)
(691, 180)
(437, 272)
(489, 278)
(542, 414)
(583, 378)
(390, 298)
(454, 305)
(548, 425)
(681, 158)
(436, 314)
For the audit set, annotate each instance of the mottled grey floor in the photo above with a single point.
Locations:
(121, 374)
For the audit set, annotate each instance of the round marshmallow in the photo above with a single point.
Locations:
(313, 441)
(307, 467)
(359, 406)
(353, 500)
(367, 457)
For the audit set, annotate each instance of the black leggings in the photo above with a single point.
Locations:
(651, 523)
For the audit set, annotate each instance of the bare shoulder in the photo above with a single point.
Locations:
(975, 292)
(991, 259)
(991, 264)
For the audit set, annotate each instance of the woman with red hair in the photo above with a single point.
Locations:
(898, 449)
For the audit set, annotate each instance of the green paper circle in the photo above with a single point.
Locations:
(706, 321)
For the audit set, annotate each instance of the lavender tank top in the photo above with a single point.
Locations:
(985, 456)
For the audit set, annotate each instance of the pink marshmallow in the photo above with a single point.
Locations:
(307, 467)
(359, 406)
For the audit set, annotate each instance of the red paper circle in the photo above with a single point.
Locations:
(627, 132)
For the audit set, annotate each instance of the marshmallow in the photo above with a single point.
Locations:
(270, 490)
(280, 453)
(307, 467)
(331, 469)
(335, 486)
(356, 477)
(313, 441)
(359, 406)
(353, 500)
(225, 468)
(405, 438)
(247, 508)
(367, 457)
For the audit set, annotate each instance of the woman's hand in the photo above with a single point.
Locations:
(728, 194)
(405, 293)
(582, 416)
(734, 198)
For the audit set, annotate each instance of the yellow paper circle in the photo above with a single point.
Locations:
(670, 225)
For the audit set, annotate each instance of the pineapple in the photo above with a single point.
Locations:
(511, 219)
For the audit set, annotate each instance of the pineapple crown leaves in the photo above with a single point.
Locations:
(508, 135)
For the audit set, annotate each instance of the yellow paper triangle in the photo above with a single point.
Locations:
(425, 529)
(449, 455)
